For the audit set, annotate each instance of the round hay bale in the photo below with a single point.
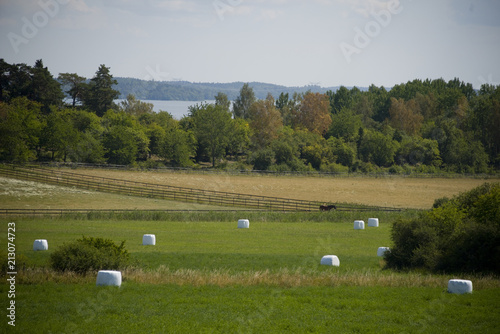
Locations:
(149, 240)
(243, 223)
(373, 222)
(459, 286)
(359, 225)
(381, 251)
(40, 244)
(109, 277)
(330, 260)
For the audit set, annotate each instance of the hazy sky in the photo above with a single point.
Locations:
(288, 42)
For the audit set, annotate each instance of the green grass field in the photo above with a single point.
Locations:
(207, 276)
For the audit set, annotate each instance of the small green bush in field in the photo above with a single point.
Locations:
(89, 254)
(459, 235)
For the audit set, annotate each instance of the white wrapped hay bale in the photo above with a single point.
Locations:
(459, 286)
(330, 260)
(382, 250)
(373, 222)
(40, 244)
(243, 223)
(109, 277)
(149, 240)
(359, 225)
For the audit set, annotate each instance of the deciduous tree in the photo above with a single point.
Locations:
(212, 129)
(313, 113)
(265, 122)
(243, 102)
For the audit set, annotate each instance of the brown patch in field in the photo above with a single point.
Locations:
(393, 191)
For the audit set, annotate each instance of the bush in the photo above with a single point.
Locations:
(262, 159)
(459, 235)
(89, 254)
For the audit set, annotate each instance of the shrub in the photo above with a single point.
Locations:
(459, 235)
(88, 254)
(440, 202)
(262, 159)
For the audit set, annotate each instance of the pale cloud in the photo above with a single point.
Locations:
(81, 7)
(174, 5)
(366, 7)
(269, 14)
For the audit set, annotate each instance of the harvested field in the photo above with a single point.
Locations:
(18, 194)
(394, 191)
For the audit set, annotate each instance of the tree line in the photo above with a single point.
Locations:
(420, 126)
(200, 91)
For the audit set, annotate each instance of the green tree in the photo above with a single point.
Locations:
(44, 88)
(100, 93)
(20, 129)
(377, 148)
(485, 121)
(222, 100)
(243, 102)
(262, 159)
(177, 146)
(74, 85)
(89, 139)
(285, 105)
(341, 99)
(59, 136)
(121, 146)
(212, 129)
(136, 107)
(345, 125)
(416, 151)
(344, 153)
(36, 83)
(239, 138)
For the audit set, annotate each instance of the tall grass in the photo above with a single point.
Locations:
(229, 216)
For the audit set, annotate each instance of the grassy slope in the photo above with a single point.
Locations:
(17, 194)
(288, 291)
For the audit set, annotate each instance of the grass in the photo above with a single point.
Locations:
(210, 277)
(18, 194)
(135, 308)
(206, 276)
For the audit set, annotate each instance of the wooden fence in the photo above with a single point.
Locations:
(182, 194)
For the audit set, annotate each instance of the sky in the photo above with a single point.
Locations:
(286, 42)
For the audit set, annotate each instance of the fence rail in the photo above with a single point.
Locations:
(182, 194)
(209, 170)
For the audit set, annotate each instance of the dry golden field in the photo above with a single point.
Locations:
(394, 191)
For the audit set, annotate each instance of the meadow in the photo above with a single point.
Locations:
(204, 275)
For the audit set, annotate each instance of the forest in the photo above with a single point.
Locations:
(196, 91)
(422, 126)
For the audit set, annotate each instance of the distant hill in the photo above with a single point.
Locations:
(192, 91)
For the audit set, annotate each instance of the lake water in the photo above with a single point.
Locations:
(177, 109)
